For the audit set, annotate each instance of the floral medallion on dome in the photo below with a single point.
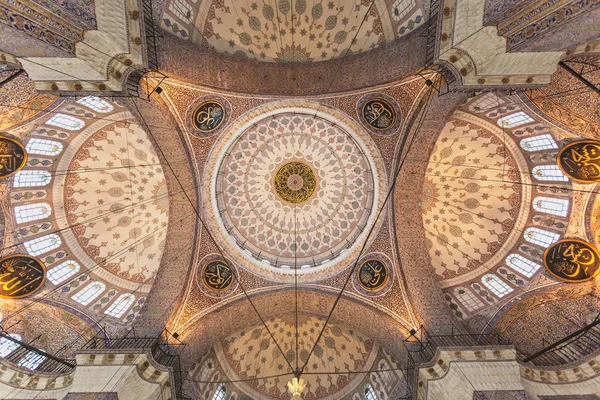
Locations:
(379, 113)
(373, 275)
(572, 260)
(216, 277)
(13, 156)
(580, 161)
(21, 275)
(207, 115)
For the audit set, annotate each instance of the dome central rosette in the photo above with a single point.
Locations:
(293, 185)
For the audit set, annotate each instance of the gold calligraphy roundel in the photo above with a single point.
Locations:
(295, 182)
(379, 113)
(373, 275)
(207, 115)
(216, 276)
(20, 276)
(13, 156)
(572, 260)
(580, 161)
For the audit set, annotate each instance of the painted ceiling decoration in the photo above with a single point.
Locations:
(379, 113)
(208, 115)
(374, 275)
(572, 260)
(20, 276)
(580, 161)
(13, 156)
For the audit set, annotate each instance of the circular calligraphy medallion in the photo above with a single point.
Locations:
(580, 161)
(379, 113)
(372, 277)
(207, 115)
(295, 182)
(215, 276)
(20, 276)
(13, 156)
(572, 260)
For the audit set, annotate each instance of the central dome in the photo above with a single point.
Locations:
(294, 188)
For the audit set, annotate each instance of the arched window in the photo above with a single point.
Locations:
(32, 212)
(44, 147)
(42, 244)
(182, 10)
(118, 308)
(370, 393)
(548, 173)
(221, 393)
(32, 360)
(66, 122)
(514, 120)
(468, 300)
(540, 237)
(386, 376)
(63, 271)
(551, 205)
(7, 346)
(522, 265)
(540, 142)
(486, 102)
(86, 295)
(96, 104)
(32, 178)
(496, 285)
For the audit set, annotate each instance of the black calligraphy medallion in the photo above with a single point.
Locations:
(217, 276)
(373, 274)
(208, 116)
(580, 161)
(12, 156)
(379, 113)
(20, 276)
(572, 260)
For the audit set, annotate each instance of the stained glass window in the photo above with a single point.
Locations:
(522, 265)
(548, 173)
(63, 271)
(43, 147)
(32, 178)
(32, 212)
(96, 104)
(7, 346)
(221, 393)
(66, 122)
(540, 237)
(540, 142)
(551, 205)
(118, 308)
(370, 393)
(42, 244)
(89, 293)
(496, 285)
(514, 120)
(467, 298)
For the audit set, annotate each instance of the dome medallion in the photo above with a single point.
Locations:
(293, 184)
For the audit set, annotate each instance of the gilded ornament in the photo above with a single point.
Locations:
(373, 274)
(379, 114)
(580, 161)
(13, 156)
(20, 276)
(217, 276)
(295, 182)
(208, 116)
(572, 260)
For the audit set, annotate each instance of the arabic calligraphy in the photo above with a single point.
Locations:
(379, 113)
(217, 275)
(372, 274)
(20, 276)
(208, 116)
(580, 161)
(12, 156)
(572, 260)
(295, 182)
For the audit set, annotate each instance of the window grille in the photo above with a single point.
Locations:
(548, 173)
(32, 178)
(551, 205)
(31, 360)
(42, 244)
(7, 346)
(496, 285)
(96, 103)
(486, 102)
(468, 300)
(89, 293)
(32, 212)
(370, 393)
(118, 308)
(514, 120)
(540, 142)
(221, 393)
(182, 10)
(540, 237)
(522, 265)
(44, 147)
(63, 271)
(400, 8)
(66, 122)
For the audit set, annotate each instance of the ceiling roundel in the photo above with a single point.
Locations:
(294, 185)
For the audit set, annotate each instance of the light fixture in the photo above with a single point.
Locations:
(296, 386)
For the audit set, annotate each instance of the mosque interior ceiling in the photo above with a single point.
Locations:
(299, 187)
